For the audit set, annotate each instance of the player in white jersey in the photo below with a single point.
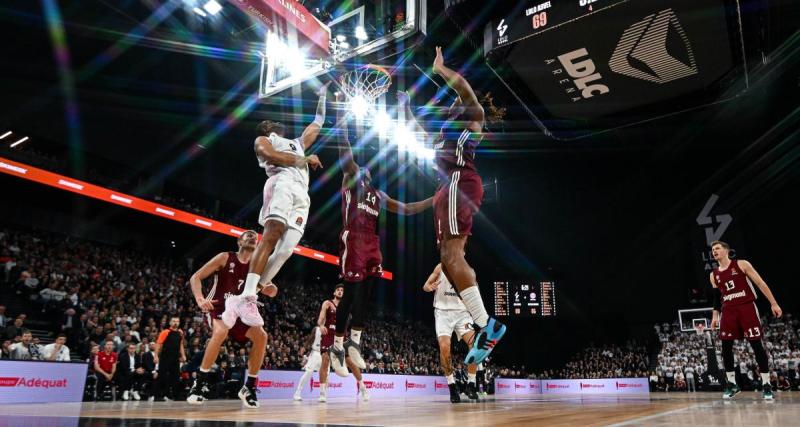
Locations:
(451, 316)
(285, 209)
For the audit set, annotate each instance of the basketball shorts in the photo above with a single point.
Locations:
(314, 361)
(359, 256)
(237, 333)
(456, 202)
(740, 321)
(286, 200)
(449, 321)
(327, 339)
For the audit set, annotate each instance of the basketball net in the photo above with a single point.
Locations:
(365, 84)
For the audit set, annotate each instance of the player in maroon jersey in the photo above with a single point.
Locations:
(327, 327)
(360, 253)
(459, 199)
(738, 317)
(229, 270)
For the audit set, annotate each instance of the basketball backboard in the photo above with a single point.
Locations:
(689, 319)
(360, 31)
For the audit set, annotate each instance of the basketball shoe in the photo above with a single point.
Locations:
(455, 396)
(767, 393)
(243, 307)
(198, 393)
(472, 391)
(731, 389)
(248, 396)
(337, 362)
(353, 351)
(485, 340)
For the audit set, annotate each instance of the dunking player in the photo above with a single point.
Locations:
(285, 210)
(325, 331)
(738, 317)
(229, 270)
(458, 199)
(360, 253)
(451, 316)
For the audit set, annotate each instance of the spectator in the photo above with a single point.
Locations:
(131, 373)
(16, 329)
(690, 383)
(105, 365)
(149, 366)
(5, 351)
(57, 351)
(3, 318)
(23, 349)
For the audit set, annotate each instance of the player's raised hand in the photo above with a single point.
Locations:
(205, 305)
(438, 62)
(776, 310)
(313, 162)
(402, 97)
(323, 89)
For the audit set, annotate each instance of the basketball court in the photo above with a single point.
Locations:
(675, 409)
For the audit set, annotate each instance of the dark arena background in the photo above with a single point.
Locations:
(621, 139)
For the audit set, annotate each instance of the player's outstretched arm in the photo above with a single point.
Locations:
(433, 280)
(349, 166)
(321, 319)
(266, 151)
(404, 100)
(196, 281)
(753, 275)
(312, 131)
(460, 85)
(401, 208)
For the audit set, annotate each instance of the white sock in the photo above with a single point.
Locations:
(480, 366)
(731, 376)
(471, 378)
(338, 342)
(472, 299)
(451, 379)
(205, 371)
(355, 336)
(251, 284)
(765, 378)
(360, 384)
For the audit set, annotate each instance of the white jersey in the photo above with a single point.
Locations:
(283, 145)
(446, 297)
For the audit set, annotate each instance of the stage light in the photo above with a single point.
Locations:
(341, 38)
(19, 142)
(427, 153)
(200, 12)
(359, 106)
(212, 7)
(5, 135)
(344, 45)
(360, 33)
(382, 122)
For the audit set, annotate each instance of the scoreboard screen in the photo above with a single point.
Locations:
(525, 298)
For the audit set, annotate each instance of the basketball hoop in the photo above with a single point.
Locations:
(366, 82)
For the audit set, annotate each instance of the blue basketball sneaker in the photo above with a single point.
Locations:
(484, 342)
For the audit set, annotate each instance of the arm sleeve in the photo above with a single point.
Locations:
(716, 299)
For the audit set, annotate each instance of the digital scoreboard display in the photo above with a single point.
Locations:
(521, 298)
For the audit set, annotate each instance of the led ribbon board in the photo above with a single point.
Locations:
(62, 182)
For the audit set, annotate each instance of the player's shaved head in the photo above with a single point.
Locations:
(267, 127)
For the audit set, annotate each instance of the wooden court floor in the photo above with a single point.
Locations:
(675, 409)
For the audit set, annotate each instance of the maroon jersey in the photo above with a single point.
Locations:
(455, 145)
(228, 281)
(360, 208)
(734, 285)
(330, 323)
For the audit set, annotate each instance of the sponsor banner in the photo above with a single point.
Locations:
(62, 182)
(506, 386)
(282, 384)
(40, 382)
(284, 15)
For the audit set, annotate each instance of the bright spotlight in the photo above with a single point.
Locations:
(382, 121)
(295, 62)
(359, 106)
(200, 12)
(212, 7)
(344, 45)
(341, 38)
(3, 136)
(427, 153)
(405, 139)
(360, 33)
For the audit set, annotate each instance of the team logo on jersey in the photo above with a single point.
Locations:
(733, 272)
(299, 221)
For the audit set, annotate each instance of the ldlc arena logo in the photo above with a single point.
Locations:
(642, 53)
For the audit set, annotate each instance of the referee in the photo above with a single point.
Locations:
(169, 355)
